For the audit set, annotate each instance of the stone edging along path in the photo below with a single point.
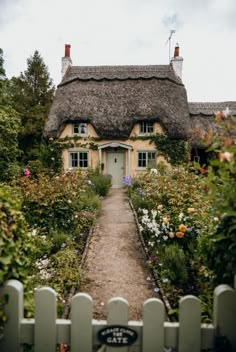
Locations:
(114, 260)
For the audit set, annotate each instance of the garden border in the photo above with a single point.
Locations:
(66, 311)
(154, 274)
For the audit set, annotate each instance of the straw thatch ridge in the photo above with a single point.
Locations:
(114, 98)
(120, 73)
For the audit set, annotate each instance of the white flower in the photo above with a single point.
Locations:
(181, 216)
(34, 232)
(165, 238)
(145, 211)
(153, 171)
(154, 213)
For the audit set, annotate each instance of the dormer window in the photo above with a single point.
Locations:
(80, 129)
(146, 127)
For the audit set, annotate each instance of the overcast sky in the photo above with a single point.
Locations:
(127, 32)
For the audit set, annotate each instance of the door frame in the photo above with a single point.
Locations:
(120, 146)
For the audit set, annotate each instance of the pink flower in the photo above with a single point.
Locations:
(26, 172)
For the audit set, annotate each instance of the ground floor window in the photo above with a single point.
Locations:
(146, 159)
(79, 159)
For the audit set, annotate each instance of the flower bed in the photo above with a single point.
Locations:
(58, 213)
(173, 214)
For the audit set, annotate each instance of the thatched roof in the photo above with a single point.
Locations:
(203, 119)
(114, 98)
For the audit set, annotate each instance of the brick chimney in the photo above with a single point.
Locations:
(66, 60)
(177, 62)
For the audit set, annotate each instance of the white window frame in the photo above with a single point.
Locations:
(80, 159)
(146, 127)
(145, 152)
(77, 129)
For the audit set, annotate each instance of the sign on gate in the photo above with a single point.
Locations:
(117, 336)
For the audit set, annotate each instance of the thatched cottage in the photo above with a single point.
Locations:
(111, 111)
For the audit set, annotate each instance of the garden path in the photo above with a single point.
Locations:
(115, 265)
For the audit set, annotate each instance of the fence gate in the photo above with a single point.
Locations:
(83, 334)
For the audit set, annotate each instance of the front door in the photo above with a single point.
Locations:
(115, 167)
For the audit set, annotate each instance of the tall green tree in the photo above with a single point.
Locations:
(4, 83)
(32, 94)
(2, 70)
(9, 149)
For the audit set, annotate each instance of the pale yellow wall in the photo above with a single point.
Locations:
(137, 145)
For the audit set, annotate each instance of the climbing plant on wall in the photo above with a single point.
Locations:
(175, 151)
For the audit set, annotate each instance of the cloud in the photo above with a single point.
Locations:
(9, 11)
(172, 21)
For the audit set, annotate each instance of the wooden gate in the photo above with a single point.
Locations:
(81, 332)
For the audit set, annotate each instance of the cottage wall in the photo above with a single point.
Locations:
(93, 155)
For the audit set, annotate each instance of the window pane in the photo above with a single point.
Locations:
(146, 127)
(80, 128)
(74, 159)
(83, 159)
(142, 159)
(150, 127)
(76, 128)
(83, 128)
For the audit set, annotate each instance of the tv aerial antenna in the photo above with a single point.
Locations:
(172, 31)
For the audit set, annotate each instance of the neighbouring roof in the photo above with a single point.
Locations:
(114, 98)
(203, 119)
(209, 109)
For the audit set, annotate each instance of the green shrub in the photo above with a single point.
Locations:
(218, 245)
(101, 184)
(174, 264)
(15, 240)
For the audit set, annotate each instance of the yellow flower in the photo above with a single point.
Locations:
(182, 228)
(190, 210)
(179, 234)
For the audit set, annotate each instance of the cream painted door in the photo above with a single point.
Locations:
(115, 167)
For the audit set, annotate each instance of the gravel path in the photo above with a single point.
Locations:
(114, 265)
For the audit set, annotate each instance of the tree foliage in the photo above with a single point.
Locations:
(9, 150)
(32, 94)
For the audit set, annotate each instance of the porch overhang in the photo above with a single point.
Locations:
(115, 144)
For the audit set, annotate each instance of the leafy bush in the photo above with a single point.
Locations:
(15, 240)
(54, 203)
(174, 261)
(101, 184)
(218, 246)
(9, 149)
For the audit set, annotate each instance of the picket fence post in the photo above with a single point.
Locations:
(81, 323)
(153, 325)
(224, 313)
(117, 314)
(14, 310)
(45, 331)
(189, 324)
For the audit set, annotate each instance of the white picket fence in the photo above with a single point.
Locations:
(154, 334)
